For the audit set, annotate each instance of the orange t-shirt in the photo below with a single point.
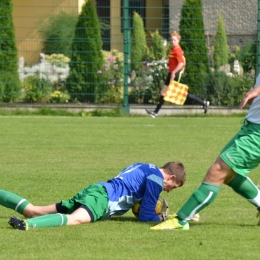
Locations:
(175, 57)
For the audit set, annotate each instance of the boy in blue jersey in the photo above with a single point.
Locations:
(240, 156)
(102, 200)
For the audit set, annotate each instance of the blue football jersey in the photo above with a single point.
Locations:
(136, 182)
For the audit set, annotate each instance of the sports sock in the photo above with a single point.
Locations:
(13, 201)
(246, 188)
(200, 199)
(196, 99)
(50, 220)
(158, 107)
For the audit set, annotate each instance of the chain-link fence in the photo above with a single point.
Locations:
(116, 52)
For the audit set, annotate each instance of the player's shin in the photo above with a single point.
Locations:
(246, 188)
(13, 201)
(200, 199)
(50, 220)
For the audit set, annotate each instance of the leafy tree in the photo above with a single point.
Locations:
(247, 56)
(84, 82)
(157, 50)
(194, 45)
(138, 50)
(58, 31)
(9, 79)
(220, 55)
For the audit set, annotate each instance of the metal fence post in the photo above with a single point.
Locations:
(125, 107)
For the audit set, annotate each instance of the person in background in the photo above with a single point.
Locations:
(176, 66)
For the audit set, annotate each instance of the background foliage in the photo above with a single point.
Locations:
(193, 43)
(83, 82)
(82, 78)
(58, 32)
(138, 46)
(220, 54)
(9, 80)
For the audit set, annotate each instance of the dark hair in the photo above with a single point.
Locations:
(177, 169)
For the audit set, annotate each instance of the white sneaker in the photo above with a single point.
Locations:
(196, 217)
(205, 107)
(151, 113)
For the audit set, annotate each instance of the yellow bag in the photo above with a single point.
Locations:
(176, 92)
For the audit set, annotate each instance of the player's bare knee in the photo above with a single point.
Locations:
(29, 211)
(72, 221)
(28, 214)
(218, 172)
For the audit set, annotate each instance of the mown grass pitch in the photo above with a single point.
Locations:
(46, 159)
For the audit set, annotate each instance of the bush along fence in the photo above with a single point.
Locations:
(83, 56)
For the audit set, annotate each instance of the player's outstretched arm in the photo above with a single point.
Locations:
(249, 96)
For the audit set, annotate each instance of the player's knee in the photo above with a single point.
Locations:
(29, 211)
(28, 214)
(218, 172)
(73, 221)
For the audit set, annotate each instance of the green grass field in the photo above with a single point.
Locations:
(46, 159)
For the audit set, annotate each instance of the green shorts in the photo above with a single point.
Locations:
(93, 198)
(242, 153)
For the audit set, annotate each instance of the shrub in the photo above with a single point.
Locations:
(138, 49)
(10, 90)
(59, 97)
(87, 57)
(157, 51)
(59, 60)
(2, 91)
(36, 89)
(112, 80)
(247, 56)
(9, 77)
(193, 43)
(57, 32)
(220, 54)
(227, 91)
(146, 87)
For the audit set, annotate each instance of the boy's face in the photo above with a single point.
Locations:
(174, 41)
(170, 183)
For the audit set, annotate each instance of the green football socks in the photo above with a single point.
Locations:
(246, 188)
(200, 199)
(50, 220)
(13, 201)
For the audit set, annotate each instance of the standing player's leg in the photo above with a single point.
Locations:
(201, 198)
(243, 186)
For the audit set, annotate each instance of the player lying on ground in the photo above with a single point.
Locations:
(101, 200)
(240, 156)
